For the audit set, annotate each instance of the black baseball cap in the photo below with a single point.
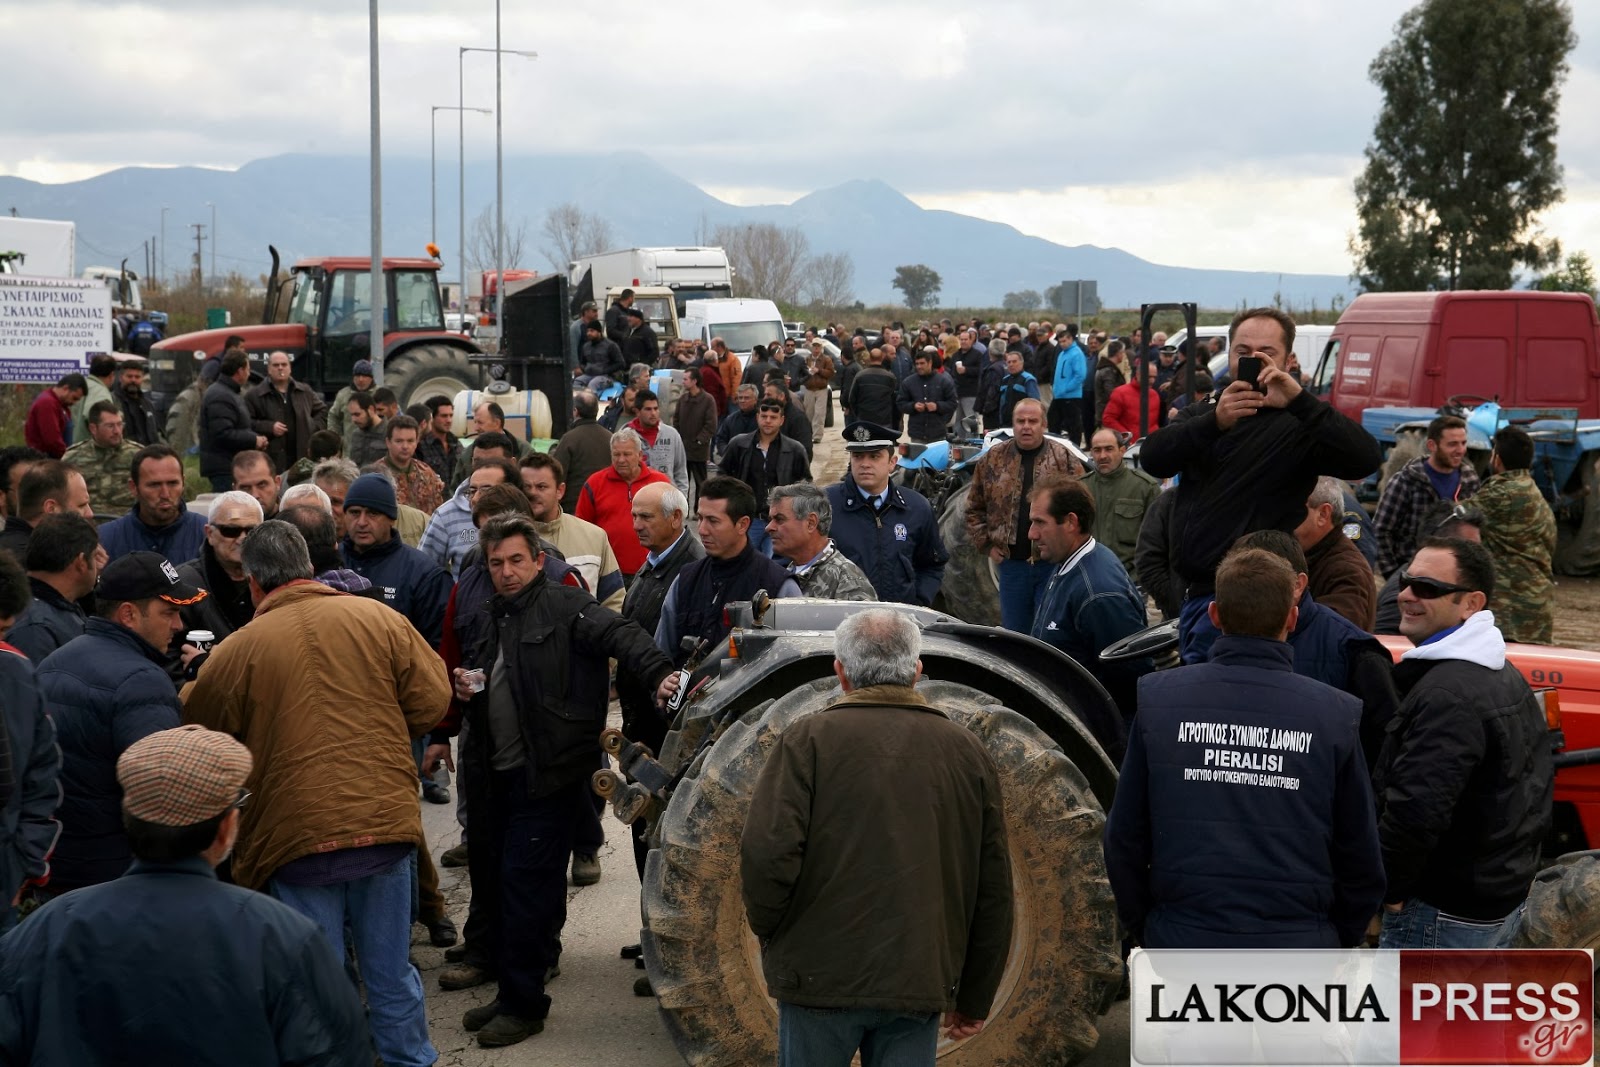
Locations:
(145, 576)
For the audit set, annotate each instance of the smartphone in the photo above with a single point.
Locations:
(1250, 368)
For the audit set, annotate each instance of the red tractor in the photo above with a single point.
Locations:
(322, 315)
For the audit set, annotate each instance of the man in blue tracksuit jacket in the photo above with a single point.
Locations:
(1066, 409)
(1244, 814)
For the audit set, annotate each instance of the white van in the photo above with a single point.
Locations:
(1309, 341)
(742, 324)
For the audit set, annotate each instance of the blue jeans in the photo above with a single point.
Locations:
(221, 483)
(1421, 925)
(1022, 586)
(759, 537)
(1195, 630)
(378, 910)
(829, 1037)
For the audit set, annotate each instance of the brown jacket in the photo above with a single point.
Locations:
(326, 690)
(696, 422)
(1341, 579)
(821, 373)
(997, 487)
(922, 922)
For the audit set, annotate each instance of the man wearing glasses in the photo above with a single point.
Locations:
(218, 569)
(333, 828)
(1464, 778)
(451, 534)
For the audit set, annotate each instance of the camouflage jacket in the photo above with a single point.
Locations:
(106, 471)
(832, 576)
(417, 486)
(996, 492)
(1520, 533)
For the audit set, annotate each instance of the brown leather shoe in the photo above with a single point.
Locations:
(464, 976)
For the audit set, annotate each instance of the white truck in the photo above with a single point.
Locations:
(41, 248)
(691, 273)
(741, 323)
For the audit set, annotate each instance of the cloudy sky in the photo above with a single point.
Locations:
(1206, 133)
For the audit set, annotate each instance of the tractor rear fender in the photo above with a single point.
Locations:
(396, 343)
(1022, 673)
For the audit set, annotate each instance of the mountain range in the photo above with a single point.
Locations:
(318, 205)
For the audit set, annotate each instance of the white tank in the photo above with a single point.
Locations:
(667, 384)
(527, 410)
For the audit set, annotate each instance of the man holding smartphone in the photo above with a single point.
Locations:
(1248, 460)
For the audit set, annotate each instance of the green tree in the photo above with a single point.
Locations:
(1463, 155)
(1576, 277)
(1027, 300)
(919, 283)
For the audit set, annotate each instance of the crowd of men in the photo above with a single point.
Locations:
(368, 598)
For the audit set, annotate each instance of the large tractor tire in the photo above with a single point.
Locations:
(970, 591)
(430, 370)
(1563, 909)
(1065, 962)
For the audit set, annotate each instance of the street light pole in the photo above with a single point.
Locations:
(461, 53)
(377, 281)
(433, 164)
(213, 206)
(164, 210)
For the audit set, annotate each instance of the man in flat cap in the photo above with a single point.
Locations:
(167, 960)
(888, 530)
(105, 690)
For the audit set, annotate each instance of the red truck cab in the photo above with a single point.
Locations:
(1522, 348)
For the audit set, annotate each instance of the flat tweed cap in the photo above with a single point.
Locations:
(182, 777)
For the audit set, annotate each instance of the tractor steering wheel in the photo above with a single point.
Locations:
(1147, 642)
(1457, 404)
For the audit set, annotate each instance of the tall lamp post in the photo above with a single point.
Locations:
(433, 176)
(377, 282)
(461, 133)
(163, 257)
(212, 205)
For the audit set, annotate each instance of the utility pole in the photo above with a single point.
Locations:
(199, 253)
(379, 283)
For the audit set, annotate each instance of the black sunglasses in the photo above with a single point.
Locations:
(1430, 588)
(231, 532)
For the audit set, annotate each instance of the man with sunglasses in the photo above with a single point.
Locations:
(1464, 778)
(218, 568)
(1444, 519)
(207, 972)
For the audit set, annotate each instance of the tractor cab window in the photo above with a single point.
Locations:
(306, 302)
(416, 296)
(350, 302)
(1322, 382)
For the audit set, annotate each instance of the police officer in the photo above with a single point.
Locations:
(1244, 817)
(887, 530)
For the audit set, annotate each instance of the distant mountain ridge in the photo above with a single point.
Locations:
(318, 205)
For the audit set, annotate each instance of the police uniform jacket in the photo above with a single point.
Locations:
(897, 546)
(1244, 815)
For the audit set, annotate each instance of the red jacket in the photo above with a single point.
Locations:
(46, 428)
(711, 381)
(607, 501)
(1122, 410)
